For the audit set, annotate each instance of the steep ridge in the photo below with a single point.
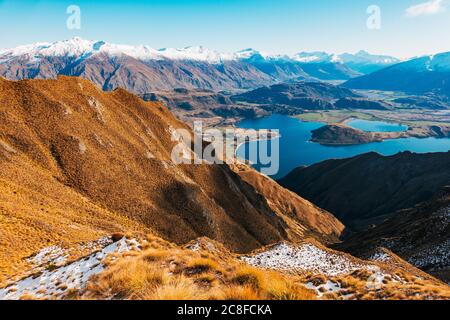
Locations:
(420, 235)
(298, 210)
(78, 163)
(367, 188)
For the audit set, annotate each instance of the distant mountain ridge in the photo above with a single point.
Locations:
(142, 69)
(368, 188)
(306, 95)
(428, 74)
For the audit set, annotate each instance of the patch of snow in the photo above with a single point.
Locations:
(327, 287)
(434, 257)
(51, 255)
(312, 57)
(197, 245)
(303, 258)
(380, 256)
(56, 283)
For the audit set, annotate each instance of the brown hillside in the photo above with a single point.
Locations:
(311, 221)
(78, 163)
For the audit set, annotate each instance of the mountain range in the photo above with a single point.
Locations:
(428, 74)
(142, 69)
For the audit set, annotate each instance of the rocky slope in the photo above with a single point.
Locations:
(368, 188)
(420, 235)
(79, 163)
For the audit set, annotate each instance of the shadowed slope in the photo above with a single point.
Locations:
(367, 188)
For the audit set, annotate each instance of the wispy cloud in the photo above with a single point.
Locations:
(427, 8)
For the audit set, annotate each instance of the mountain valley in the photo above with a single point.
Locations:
(94, 206)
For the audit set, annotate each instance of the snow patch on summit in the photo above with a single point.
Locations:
(303, 258)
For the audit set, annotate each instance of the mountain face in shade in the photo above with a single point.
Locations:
(366, 189)
(142, 69)
(418, 76)
(420, 235)
(78, 163)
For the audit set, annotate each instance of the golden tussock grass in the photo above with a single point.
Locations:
(175, 274)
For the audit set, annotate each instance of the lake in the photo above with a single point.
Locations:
(296, 149)
(376, 126)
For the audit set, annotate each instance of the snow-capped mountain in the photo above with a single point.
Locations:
(365, 62)
(142, 68)
(417, 76)
(315, 57)
(77, 47)
(362, 61)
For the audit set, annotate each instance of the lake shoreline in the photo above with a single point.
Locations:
(297, 149)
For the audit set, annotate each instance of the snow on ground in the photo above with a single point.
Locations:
(437, 256)
(303, 258)
(56, 283)
(327, 287)
(57, 256)
(380, 256)
(50, 255)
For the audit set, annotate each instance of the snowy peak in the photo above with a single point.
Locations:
(359, 57)
(78, 47)
(314, 57)
(365, 57)
(197, 53)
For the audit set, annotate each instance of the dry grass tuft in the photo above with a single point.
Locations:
(202, 265)
(249, 276)
(236, 292)
(179, 289)
(174, 274)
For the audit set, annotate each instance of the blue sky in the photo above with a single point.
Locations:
(275, 26)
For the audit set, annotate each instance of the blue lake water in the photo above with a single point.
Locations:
(376, 126)
(296, 149)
